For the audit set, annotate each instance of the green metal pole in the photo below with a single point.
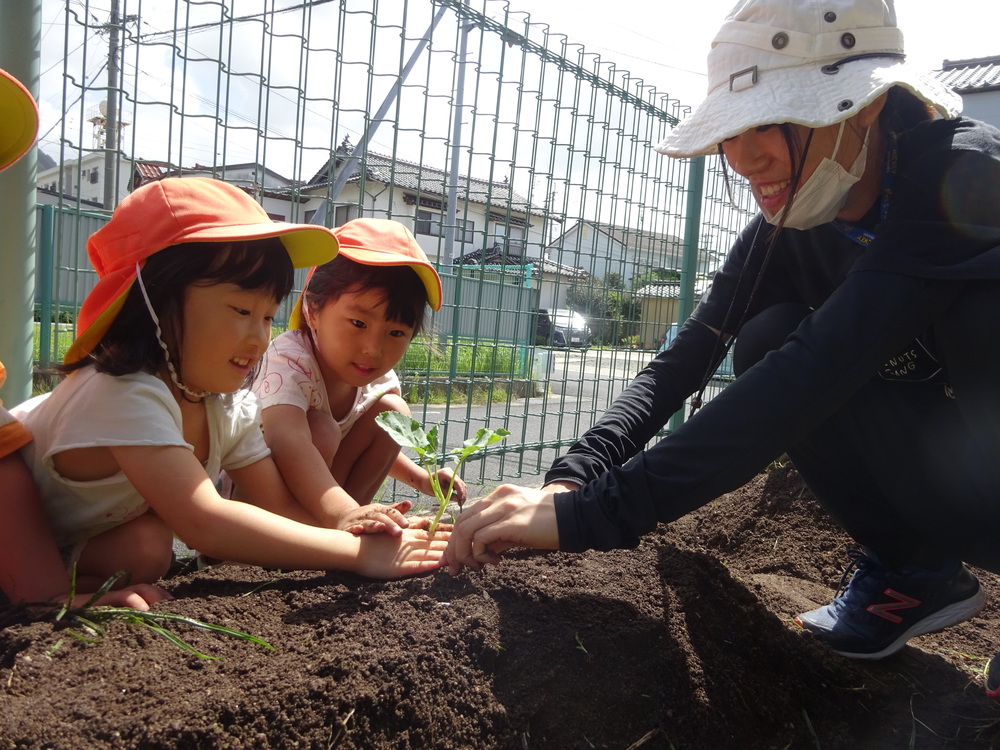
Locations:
(689, 263)
(20, 50)
(46, 264)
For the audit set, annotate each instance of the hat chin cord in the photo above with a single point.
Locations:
(166, 352)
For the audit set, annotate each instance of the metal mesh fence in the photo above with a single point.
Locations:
(522, 163)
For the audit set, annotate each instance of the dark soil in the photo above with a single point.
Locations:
(685, 642)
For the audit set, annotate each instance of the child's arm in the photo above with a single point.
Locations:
(307, 475)
(174, 484)
(31, 569)
(412, 474)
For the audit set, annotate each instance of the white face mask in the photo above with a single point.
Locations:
(822, 196)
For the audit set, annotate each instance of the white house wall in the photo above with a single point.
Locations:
(983, 106)
(380, 201)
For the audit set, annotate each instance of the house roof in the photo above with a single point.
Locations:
(668, 247)
(497, 256)
(661, 289)
(971, 76)
(425, 180)
(671, 289)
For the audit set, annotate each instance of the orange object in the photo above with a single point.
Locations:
(380, 242)
(18, 119)
(173, 211)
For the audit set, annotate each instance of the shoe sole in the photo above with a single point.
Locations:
(943, 618)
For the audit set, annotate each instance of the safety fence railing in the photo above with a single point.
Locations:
(522, 163)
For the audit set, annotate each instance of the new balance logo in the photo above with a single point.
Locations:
(887, 610)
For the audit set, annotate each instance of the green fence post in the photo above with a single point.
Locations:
(46, 263)
(20, 43)
(689, 268)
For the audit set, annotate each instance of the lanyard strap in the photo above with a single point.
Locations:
(864, 236)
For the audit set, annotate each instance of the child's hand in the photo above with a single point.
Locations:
(459, 493)
(411, 552)
(444, 476)
(377, 519)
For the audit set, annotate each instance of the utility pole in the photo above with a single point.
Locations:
(111, 123)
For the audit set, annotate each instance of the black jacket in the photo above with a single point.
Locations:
(869, 303)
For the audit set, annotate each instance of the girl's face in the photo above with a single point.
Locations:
(761, 156)
(226, 331)
(356, 344)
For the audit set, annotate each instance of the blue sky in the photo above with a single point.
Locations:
(666, 42)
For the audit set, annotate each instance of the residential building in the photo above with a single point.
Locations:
(977, 80)
(487, 212)
(604, 249)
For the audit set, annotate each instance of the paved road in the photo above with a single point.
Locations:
(580, 388)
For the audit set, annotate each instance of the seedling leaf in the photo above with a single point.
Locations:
(408, 433)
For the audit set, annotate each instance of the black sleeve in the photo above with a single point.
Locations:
(642, 408)
(660, 389)
(786, 395)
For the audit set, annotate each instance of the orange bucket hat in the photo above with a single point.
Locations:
(18, 119)
(173, 211)
(380, 242)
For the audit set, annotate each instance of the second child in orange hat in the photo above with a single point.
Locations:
(324, 381)
(129, 446)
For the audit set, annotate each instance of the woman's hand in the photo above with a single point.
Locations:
(413, 551)
(508, 517)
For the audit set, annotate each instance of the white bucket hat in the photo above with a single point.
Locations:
(811, 62)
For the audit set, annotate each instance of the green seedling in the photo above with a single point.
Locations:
(408, 433)
(93, 619)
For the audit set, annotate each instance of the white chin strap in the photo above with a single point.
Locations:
(166, 352)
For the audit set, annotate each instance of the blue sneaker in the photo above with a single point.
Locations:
(878, 610)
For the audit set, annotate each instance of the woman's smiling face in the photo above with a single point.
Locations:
(764, 156)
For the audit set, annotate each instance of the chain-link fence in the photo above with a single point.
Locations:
(522, 163)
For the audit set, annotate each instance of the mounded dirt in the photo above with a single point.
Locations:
(685, 642)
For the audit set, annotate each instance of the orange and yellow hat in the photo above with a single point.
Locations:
(173, 211)
(380, 242)
(18, 119)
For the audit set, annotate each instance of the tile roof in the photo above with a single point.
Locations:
(496, 256)
(427, 181)
(970, 76)
(671, 289)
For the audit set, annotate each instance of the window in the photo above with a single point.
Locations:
(94, 176)
(432, 223)
(344, 214)
(509, 234)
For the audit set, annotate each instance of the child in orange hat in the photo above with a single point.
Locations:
(129, 446)
(330, 375)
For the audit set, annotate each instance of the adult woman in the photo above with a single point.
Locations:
(857, 297)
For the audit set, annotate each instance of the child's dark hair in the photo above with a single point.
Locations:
(400, 287)
(130, 343)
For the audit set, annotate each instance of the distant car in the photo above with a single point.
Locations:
(725, 369)
(562, 328)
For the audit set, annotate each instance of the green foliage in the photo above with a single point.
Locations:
(408, 433)
(655, 274)
(57, 315)
(611, 311)
(472, 359)
(93, 620)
